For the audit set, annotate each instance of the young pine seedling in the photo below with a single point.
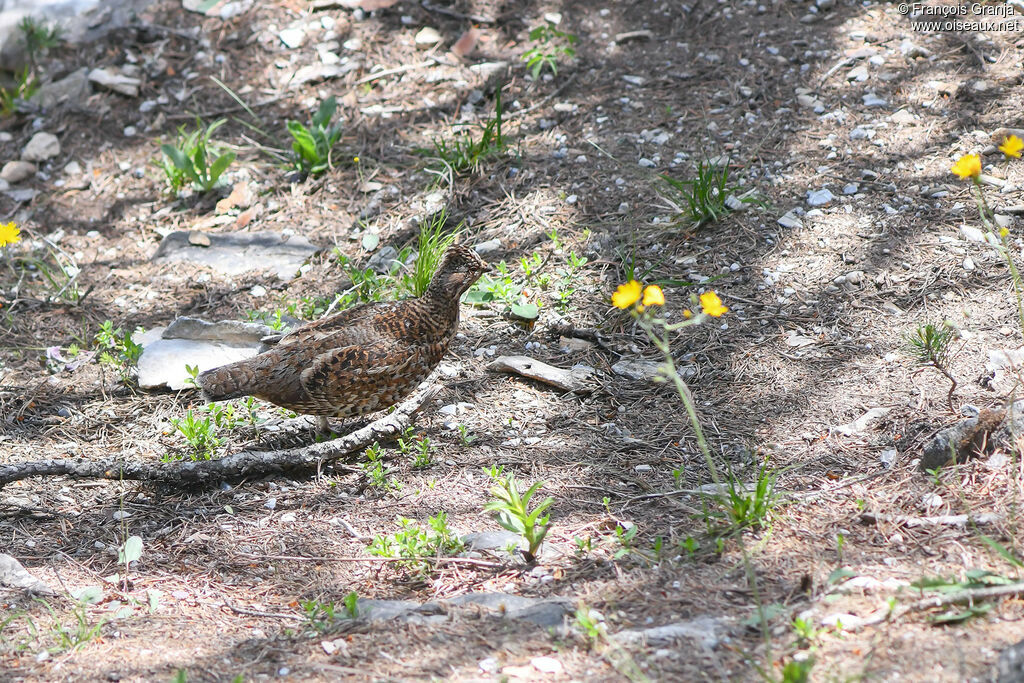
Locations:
(929, 344)
(513, 511)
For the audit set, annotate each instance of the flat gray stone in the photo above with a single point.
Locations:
(190, 341)
(385, 610)
(237, 253)
(501, 602)
(41, 147)
(641, 370)
(544, 613)
(707, 631)
(14, 575)
(492, 540)
(72, 88)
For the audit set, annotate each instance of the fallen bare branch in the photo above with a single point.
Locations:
(939, 520)
(245, 463)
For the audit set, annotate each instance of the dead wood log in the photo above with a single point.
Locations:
(242, 464)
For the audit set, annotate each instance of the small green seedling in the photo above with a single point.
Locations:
(312, 146)
(513, 511)
(193, 159)
(552, 45)
(929, 345)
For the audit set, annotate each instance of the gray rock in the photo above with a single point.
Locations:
(709, 632)
(544, 613)
(819, 197)
(292, 37)
(1010, 668)
(16, 171)
(14, 575)
(989, 430)
(235, 332)
(72, 88)
(41, 147)
(385, 610)
(384, 261)
(112, 79)
(858, 73)
(873, 100)
(163, 360)
(487, 247)
(790, 220)
(239, 252)
(493, 540)
(638, 370)
(427, 37)
(499, 602)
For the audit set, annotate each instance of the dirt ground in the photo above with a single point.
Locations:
(815, 339)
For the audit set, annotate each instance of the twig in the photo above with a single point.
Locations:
(396, 70)
(254, 613)
(968, 595)
(245, 463)
(939, 520)
(437, 560)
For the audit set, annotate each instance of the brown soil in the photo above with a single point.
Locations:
(796, 356)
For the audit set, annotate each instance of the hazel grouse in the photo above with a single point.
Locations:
(361, 360)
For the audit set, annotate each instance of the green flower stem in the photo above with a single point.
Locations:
(988, 220)
(662, 344)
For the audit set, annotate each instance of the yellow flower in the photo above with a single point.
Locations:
(355, 159)
(687, 313)
(653, 296)
(1004, 232)
(967, 166)
(712, 305)
(1012, 147)
(627, 294)
(9, 234)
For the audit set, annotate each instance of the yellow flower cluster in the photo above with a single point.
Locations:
(631, 292)
(969, 165)
(9, 234)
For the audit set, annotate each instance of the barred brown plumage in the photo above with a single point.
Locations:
(358, 361)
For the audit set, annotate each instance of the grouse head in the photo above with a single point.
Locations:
(459, 269)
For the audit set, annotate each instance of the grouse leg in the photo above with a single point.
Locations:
(322, 425)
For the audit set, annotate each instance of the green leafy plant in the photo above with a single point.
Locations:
(194, 159)
(24, 87)
(319, 615)
(376, 473)
(418, 446)
(351, 603)
(500, 287)
(311, 147)
(463, 153)
(117, 348)
(201, 435)
(624, 536)
(415, 543)
(552, 46)
(465, 436)
(929, 344)
(72, 637)
(591, 625)
(745, 508)
(513, 510)
(705, 198)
